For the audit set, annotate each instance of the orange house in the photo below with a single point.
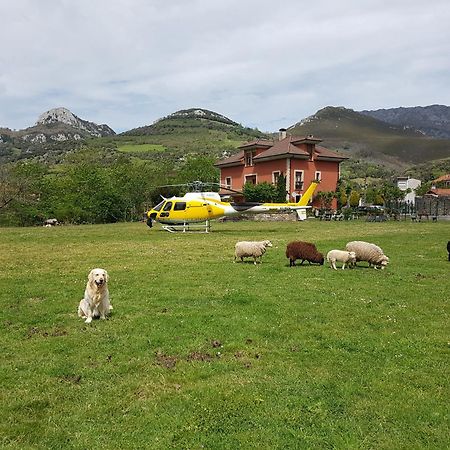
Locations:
(300, 159)
(440, 187)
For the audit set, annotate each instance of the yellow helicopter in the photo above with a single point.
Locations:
(181, 213)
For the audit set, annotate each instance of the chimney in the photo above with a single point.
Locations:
(310, 147)
(281, 134)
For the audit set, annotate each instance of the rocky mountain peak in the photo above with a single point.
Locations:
(64, 116)
(58, 115)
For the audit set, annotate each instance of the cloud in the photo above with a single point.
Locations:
(262, 63)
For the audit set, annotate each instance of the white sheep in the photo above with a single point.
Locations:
(253, 249)
(366, 251)
(342, 256)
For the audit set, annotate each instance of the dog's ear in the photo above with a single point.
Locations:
(91, 276)
(106, 276)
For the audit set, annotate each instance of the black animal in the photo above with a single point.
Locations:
(448, 249)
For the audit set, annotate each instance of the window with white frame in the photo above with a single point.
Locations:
(298, 180)
(318, 176)
(275, 176)
(250, 179)
(248, 159)
(296, 197)
(228, 182)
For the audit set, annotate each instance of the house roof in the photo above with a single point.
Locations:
(257, 143)
(443, 178)
(324, 153)
(233, 160)
(439, 192)
(283, 147)
(287, 147)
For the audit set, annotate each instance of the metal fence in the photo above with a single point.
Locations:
(432, 206)
(426, 206)
(398, 207)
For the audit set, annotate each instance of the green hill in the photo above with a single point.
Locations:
(186, 132)
(372, 140)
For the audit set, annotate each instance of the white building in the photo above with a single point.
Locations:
(405, 183)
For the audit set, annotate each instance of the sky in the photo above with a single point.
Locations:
(261, 63)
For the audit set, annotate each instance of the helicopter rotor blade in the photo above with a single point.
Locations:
(199, 185)
(223, 186)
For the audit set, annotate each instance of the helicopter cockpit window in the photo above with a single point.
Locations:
(158, 206)
(167, 206)
(179, 206)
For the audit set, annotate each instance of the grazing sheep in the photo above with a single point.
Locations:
(254, 249)
(304, 251)
(342, 256)
(365, 251)
(51, 222)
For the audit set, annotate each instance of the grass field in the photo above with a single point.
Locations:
(203, 353)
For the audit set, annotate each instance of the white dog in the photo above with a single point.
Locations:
(96, 296)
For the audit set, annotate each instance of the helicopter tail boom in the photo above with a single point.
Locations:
(307, 196)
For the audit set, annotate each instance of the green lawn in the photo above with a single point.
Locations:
(203, 353)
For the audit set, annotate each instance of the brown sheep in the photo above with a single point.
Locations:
(304, 251)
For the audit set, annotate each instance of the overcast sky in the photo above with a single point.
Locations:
(262, 63)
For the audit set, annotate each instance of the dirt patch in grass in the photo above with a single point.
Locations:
(35, 331)
(199, 356)
(167, 361)
(73, 379)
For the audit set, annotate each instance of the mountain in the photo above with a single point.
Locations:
(187, 132)
(56, 131)
(62, 116)
(433, 120)
(186, 120)
(370, 139)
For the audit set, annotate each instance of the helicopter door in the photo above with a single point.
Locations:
(166, 209)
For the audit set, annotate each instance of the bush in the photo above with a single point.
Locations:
(261, 192)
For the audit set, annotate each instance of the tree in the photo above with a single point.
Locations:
(261, 192)
(423, 188)
(391, 192)
(20, 192)
(371, 196)
(354, 199)
(198, 168)
(280, 189)
(325, 199)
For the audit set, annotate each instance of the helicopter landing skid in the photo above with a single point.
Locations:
(188, 227)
